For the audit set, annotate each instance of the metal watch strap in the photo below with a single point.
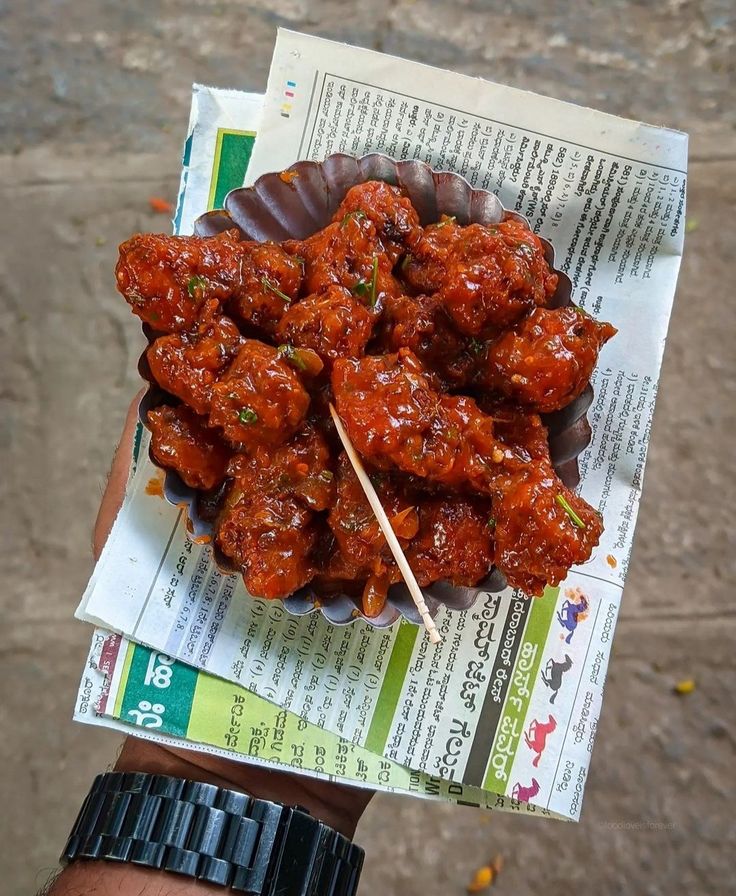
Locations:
(213, 834)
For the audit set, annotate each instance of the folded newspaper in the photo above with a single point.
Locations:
(504, 711)
(126, 684)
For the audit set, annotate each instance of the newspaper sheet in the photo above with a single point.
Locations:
(136, 690)
(509, 701)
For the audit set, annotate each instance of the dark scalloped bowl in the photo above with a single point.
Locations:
(294, 207)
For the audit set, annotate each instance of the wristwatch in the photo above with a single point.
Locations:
(212, 834)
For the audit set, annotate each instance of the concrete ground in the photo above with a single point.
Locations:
(95, 102)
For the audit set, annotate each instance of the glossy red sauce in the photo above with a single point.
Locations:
(440, 349)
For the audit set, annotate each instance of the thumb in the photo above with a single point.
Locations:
(117, 479)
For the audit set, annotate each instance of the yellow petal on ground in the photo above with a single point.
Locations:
(686, 686)
(482, 879)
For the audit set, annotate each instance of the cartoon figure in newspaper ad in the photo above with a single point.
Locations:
(573, 611)
(536, 736)
(524, 794)
(553, 673)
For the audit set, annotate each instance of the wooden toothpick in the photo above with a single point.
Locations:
(389, 534)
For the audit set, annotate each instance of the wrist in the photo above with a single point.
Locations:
(213, 823)
(113, 879)
(337, 805)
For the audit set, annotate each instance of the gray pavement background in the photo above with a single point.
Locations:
(95, 100)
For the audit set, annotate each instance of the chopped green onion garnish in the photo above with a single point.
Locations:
(562, 501)
(362, 288)
(196, 286)
(274, 289)
(374, 281)
(448, 219)
(357, 215)
(475, 346)
(326, 475)
(491, 522)
(292, 355)
(247, 415)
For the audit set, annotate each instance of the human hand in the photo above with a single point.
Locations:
(338, 805)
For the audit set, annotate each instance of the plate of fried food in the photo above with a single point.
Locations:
(433, 322)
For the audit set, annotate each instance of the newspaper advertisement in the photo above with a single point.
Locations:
(126, 685)
(509, 701)
(217, 151)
